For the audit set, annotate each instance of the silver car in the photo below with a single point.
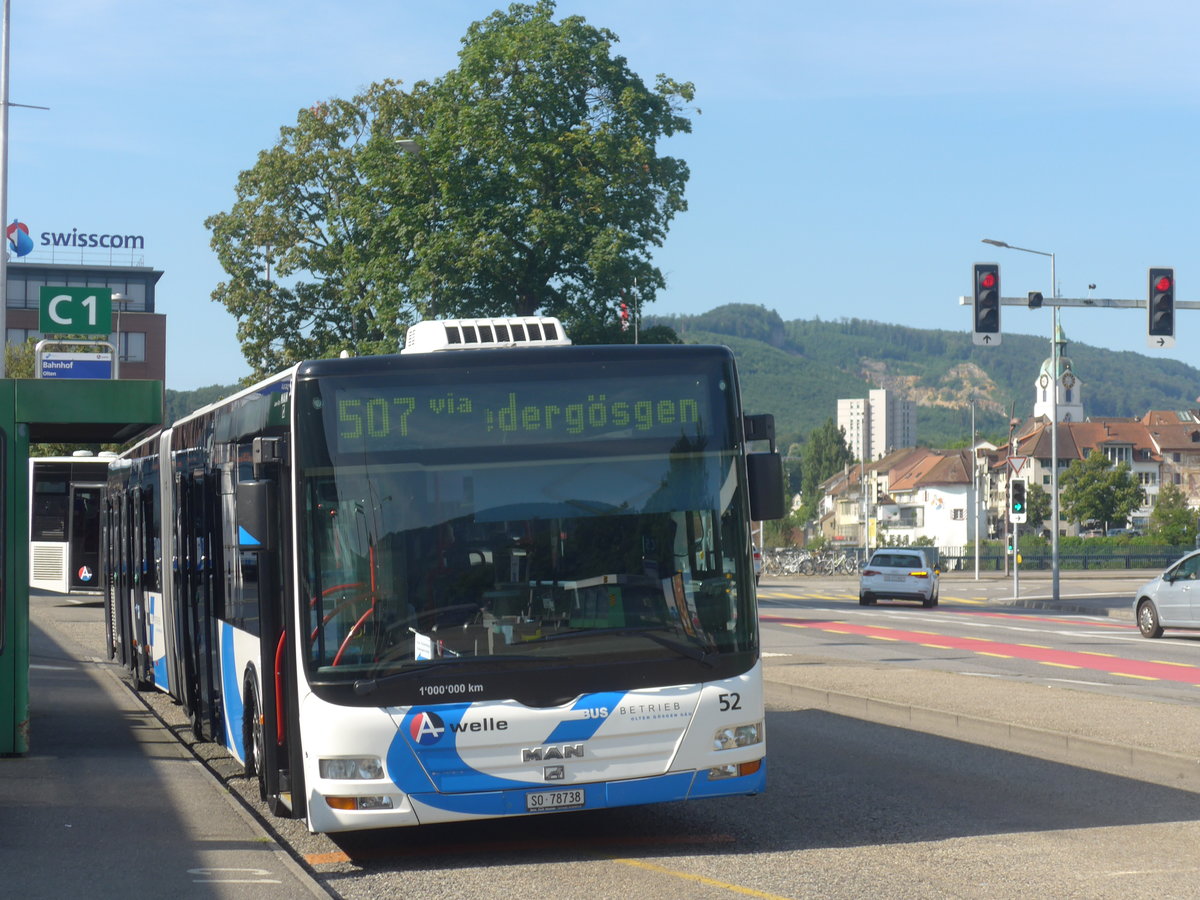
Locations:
(898, 574)
(1172, 600)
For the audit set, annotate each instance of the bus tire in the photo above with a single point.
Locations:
(253, 740)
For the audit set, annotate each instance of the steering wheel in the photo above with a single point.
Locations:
(354, 630)
(357, 593)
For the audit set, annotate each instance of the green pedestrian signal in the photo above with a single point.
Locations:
(1017, 506)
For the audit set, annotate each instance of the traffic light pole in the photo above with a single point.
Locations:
(1032, 301)
(1016, 568)
(1100, 302)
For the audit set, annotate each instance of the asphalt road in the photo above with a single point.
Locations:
(854, 808)
(977, 629)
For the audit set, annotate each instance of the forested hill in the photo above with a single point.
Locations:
(798, 370)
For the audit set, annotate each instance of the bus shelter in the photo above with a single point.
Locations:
(37, 411)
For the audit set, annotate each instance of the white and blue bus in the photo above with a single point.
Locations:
(64, 522)
(510, 578)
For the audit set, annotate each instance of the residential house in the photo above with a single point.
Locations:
(930, 494)
(1176, 437)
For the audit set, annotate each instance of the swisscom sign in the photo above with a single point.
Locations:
(20, 242)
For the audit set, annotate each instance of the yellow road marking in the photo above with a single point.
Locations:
(997, 655)
(1163, 662)
(1139, 677)
(1058, 665)
(700, 879)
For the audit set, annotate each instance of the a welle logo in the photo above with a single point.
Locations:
(428, 727)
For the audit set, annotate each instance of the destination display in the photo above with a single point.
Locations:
(377, 417)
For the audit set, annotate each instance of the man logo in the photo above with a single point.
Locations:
(19, 241)
(427, 728)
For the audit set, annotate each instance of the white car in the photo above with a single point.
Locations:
(897, 573)
(1172, 600)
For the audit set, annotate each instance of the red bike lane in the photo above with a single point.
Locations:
(1068, 659)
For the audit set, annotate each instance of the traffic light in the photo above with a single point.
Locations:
(1161, 306)
(1016, 504)
(987, 304)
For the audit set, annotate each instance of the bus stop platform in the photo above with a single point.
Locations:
(109, 803)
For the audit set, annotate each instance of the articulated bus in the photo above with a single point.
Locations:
(493, 574)
(64, 522)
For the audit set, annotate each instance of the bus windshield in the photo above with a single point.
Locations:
(584, 517)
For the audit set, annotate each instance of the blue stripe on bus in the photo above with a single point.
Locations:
(633, 792)
(424, 754)
(158, 653)
(232, 690)
(599, 705)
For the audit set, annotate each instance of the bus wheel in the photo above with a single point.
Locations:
(253, 740)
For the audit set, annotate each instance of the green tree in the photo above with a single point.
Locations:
(526, 180)
(1094, 490)
(20, 359)
(825, 454)
(1038, 502)
(1172, 521)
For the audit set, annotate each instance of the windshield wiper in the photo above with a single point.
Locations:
(364, 686)
(650, 632)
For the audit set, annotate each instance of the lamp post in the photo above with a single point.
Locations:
(1053, 413)
(120, 300)
(4, 18)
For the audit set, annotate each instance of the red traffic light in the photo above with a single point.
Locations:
(988, 280)
(1163, 283)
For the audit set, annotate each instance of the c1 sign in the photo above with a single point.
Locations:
(75, 310)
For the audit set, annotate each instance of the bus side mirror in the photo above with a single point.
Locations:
(764, 474)
(256, 515)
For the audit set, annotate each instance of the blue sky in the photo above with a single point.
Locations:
(847, 160)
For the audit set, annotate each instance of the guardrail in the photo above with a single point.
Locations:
(795, 561)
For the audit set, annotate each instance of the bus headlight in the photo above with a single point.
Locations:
(351, 768)
(732, 737)
(359, 804)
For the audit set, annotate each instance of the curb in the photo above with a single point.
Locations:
(1048, 604)
(1168, 769)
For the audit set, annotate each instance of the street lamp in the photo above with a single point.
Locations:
(120, 300)
(1053, 413)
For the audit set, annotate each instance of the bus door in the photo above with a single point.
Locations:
(195, 587)
(140, 662)
(262, 549)
(113, 588)
(83, 530)
(122, 627)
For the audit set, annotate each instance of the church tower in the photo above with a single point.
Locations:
(1070, 392)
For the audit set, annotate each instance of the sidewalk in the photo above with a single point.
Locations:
(110, 804)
